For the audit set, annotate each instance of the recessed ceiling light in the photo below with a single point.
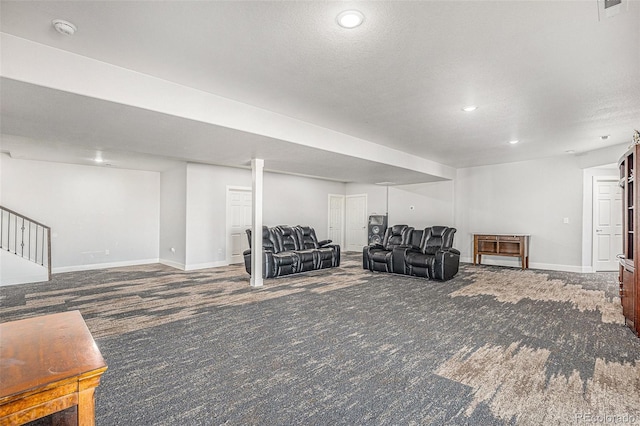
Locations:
(64, 27)
(513, 142)
(350, 19)
(470, 108)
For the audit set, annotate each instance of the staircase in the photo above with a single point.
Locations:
(25, 238)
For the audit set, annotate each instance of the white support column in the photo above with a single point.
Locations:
(257, 166)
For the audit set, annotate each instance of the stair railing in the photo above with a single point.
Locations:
(25, 237)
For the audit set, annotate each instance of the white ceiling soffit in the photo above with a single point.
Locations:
(45, 124)
(552, 74)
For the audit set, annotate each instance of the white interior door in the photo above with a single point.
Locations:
(607, 224)
(356, 222)
(238, 221)
(336, 219)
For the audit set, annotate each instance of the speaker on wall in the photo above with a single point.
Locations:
(377, 226)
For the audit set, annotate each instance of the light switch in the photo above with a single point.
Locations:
(565, 220)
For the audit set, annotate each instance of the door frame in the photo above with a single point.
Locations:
(594, 240)
(344, 207)
(227, 229)
(346, 217)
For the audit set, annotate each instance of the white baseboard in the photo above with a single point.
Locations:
(515, 263)
(170, 263)
(173, 264)
(561, 268)
(206, 265)
(194, 267)
(93, 266)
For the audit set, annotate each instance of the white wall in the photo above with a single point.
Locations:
(288, 200)
(422, 205)
(295, 200)
(173, 217)
(206, 212)
(418, 205)
(531, 197)
(92, 210)
(138, 216)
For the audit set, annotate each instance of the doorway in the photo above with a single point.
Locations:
(239, 204)
(607, 223)
(356, 222)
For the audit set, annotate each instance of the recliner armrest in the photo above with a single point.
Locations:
(446, 265)
(248, 251)
(324, 243)
(450, 250)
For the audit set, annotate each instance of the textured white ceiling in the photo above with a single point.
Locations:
(551, 74)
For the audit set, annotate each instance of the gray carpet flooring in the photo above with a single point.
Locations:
(492, 346)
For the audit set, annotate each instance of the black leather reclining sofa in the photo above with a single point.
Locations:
(423, 253)
(292, 249)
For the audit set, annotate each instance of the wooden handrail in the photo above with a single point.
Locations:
(45, 229)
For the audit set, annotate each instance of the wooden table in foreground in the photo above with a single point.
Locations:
(513, 245)
(48, 364)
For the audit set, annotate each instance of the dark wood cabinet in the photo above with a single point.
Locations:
(629, 262)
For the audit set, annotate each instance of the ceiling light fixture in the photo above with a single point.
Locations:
(64, 27)
(513, 142)
(350, 19)
(604, 137)
(469, 108)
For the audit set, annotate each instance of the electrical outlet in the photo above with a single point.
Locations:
(565, 220)
(106, 252)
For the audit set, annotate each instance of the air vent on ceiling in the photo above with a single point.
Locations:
(610, 8)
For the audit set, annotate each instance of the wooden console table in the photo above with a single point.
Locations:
(48, 364)
(513, 245)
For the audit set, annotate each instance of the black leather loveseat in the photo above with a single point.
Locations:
(291, 249)
(423, 253)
